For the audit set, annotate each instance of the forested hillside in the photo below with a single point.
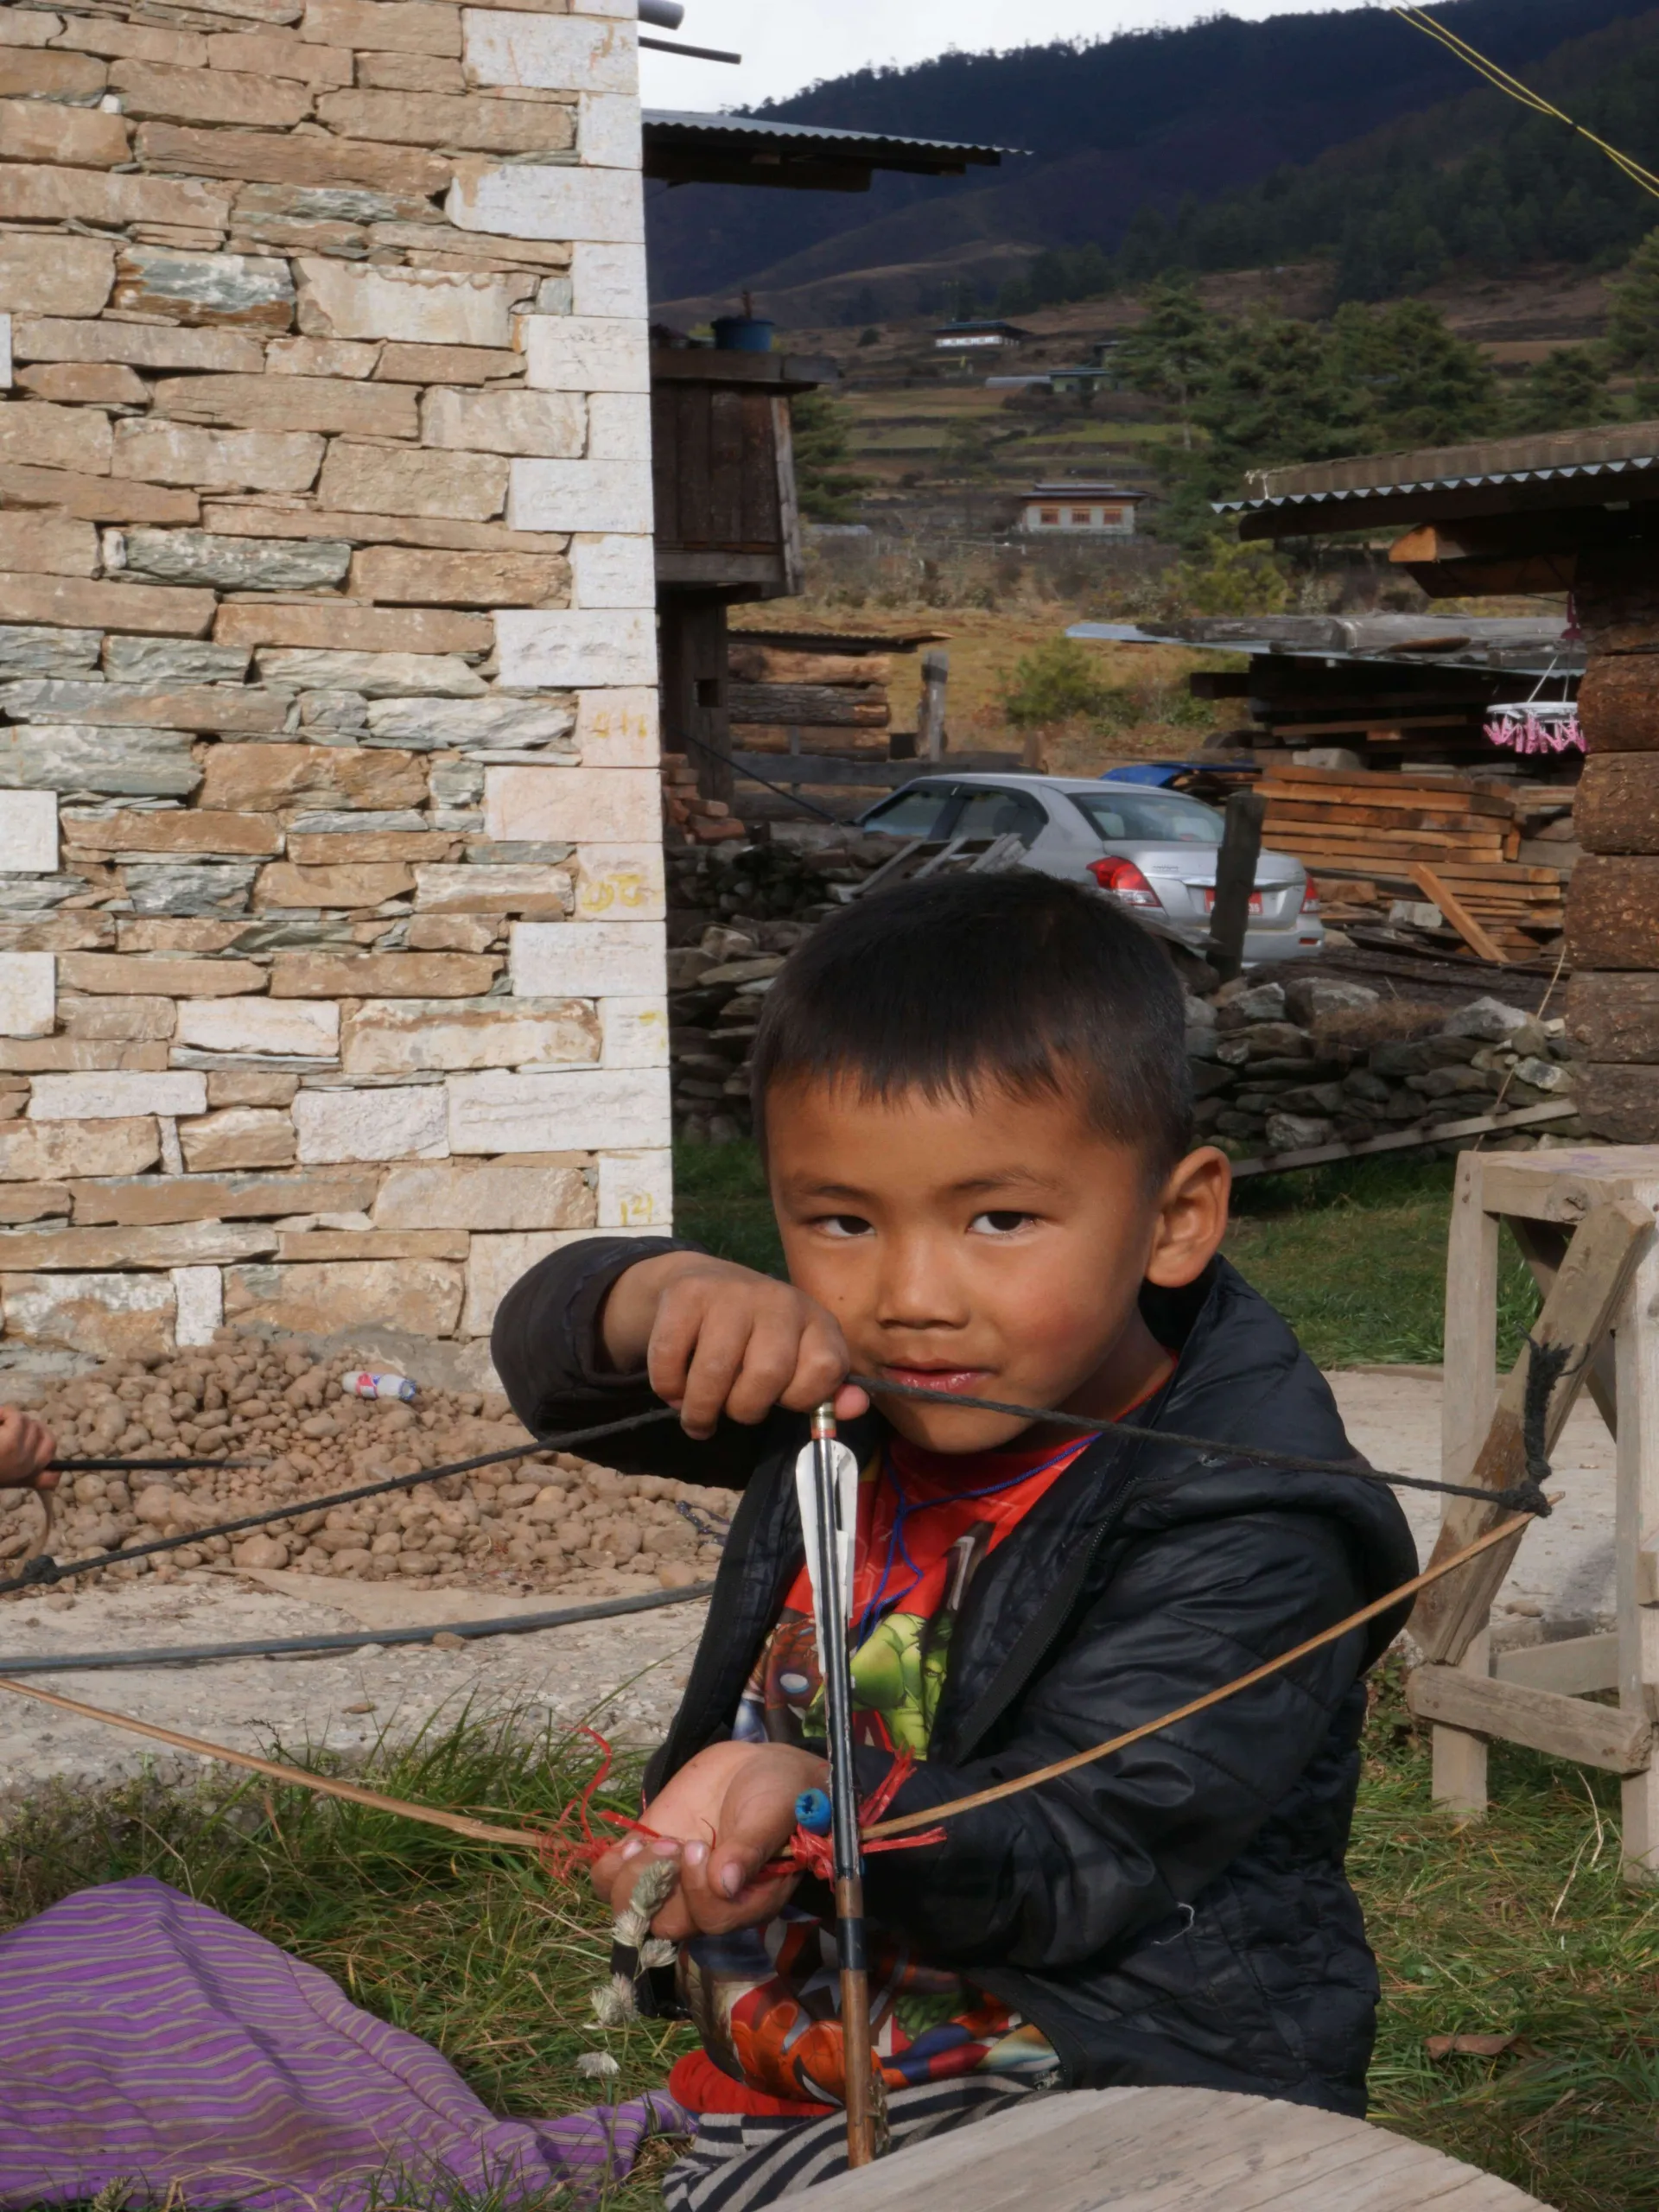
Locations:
(1126, 130)
(1480, 181)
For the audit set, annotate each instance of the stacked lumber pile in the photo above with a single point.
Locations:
(1452, 842)
(832, 698)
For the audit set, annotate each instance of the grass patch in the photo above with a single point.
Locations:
(1521, 1925)
(720, 1202)
(1352, 1254)
(1517, 1925)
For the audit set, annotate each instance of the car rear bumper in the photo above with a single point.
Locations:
(1304, 941)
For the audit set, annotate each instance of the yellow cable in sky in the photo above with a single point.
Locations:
(1502, 81)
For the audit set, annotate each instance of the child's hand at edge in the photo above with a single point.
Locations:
(28, 1448)
(714, 1338)
(726, 1814)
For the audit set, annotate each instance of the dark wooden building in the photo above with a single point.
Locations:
(1406, 691)
(1575, 511)
(728, 526)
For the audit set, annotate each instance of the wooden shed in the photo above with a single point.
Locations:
(728, 527)
(1575, 511)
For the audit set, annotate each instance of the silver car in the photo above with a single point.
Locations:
(1156, 851)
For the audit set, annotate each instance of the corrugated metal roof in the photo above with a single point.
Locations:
(1621, 449)
(668, 123)
(1083, 487)
(1523, 645)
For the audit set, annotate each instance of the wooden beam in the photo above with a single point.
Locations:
(1440, 894)
(1235, 871)
(1543, 1246)
(1576, 510)
(1576, 1666)
(1219, 684)
(1291, 730)
(709, 365)
(1565, 1728)
(1412, 1139)
(1490, 578)
(789, 505)
(1458, 1760)
(1577, 1314)
(1425, 544)
(716, 570)
(845, 768)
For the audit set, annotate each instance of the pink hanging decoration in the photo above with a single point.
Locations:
(1524, 731)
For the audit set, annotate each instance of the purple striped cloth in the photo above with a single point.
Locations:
(146, 2039)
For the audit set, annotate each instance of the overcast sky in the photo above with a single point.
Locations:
(787, 44)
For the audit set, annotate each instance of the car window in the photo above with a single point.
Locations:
(916, 812)
(997, 813)
(1129, 816)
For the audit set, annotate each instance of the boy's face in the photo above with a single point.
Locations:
(995, 1249)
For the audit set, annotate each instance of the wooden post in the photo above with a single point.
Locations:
(1585, 1224)
(1637, 1352)
(1468, 1395)
(789, 505)
(1590, 1290)
(1241, 848)
(930, 723)
(697, 719)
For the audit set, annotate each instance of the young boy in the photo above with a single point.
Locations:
(974, 1103)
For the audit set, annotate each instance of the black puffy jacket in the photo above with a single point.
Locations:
(1178, 1913)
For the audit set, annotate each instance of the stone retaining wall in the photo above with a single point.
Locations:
(1612, 902)
(332, 984)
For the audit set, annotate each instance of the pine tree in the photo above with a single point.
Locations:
(1280, 394)
(1632, 340)
(1172, 353)
(1565, 391)
(1424, 386)
(828, 490)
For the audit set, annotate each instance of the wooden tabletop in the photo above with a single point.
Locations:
(1169, 2150)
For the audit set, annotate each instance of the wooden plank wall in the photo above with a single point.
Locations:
(714, 464)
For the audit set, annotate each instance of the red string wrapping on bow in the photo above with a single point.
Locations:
(815, 1854)
(562, 1852)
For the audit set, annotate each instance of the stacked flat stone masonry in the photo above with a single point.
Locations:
(1612, 902)
(332, 985)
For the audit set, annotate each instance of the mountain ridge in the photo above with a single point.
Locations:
(1141, 121)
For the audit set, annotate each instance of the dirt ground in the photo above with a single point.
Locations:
(624, 1675)
(1562, 1581)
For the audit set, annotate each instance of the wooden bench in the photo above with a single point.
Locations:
(1537, 1695)
(1167, 2151)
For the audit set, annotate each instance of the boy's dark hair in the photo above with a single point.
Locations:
(1020, 981)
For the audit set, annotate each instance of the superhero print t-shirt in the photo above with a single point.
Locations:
(765, 1999)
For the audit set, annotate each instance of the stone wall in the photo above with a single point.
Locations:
(1612, 900)
(332, 984)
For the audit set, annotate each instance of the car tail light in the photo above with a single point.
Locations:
(1125, 881)
(1311, 898)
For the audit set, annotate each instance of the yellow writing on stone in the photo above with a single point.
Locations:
(624, 887)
